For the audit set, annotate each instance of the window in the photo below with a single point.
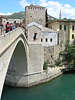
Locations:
(64, 27)
(46, 39)
(35, 36)
(60, 27)
(72, 27)
(41, 39)
(51, 40)
(72, 36)
(51, 56)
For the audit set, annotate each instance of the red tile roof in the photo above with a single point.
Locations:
(2, 16)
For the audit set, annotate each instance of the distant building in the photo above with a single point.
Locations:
(34, 13)
(3, 19)
(64, 26)
(17, 20)
(51, 18)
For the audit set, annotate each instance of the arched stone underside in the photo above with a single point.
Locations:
(21, 62)
(18, 62)
(13, 55)
(17, 66)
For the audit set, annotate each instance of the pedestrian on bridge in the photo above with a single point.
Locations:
(7, 27)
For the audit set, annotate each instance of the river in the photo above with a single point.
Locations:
(61, 88)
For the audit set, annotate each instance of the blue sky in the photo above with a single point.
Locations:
(53, 6)
(10, 6)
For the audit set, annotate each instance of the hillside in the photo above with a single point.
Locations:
(18, 15)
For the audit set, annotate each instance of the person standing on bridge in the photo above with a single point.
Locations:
(7, 27)
(11, 26)
(14, 25)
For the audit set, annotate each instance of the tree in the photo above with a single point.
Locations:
(69, 54)
(46, 19)
(58, 62)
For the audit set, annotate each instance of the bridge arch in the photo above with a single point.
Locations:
(12, 61)
(18, 61)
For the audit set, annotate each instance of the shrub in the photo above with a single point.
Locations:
(45, 66)
(52, 65)
(58, 62)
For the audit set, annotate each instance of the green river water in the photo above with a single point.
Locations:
(61, 88)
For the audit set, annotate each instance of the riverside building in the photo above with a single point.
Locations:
(65, 26)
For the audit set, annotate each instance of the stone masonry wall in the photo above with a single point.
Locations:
(31, 31)
(36, 58)
(35, 14)
(51, 54)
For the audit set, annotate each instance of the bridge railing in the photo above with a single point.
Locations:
(7, 39)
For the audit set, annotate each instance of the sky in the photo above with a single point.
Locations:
(67, 7)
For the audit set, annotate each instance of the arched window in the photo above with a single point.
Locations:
(60, 27)
(72, 36)
(35, 36)
(46, 40)
(51, 56)
(51, 40)
(73, 27)
(41, 40)
(64, 27)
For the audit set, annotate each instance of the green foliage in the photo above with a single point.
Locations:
(52, 65)
(46, 19)
(18, 15)
(69, 54)
(45, 66)
(58, 62)
(61, 53)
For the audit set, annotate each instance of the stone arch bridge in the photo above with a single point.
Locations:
(21, 63)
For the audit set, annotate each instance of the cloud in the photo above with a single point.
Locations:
(24, 3)
(53, 7)
(9, 13)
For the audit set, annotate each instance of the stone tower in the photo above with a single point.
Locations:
(36, 14)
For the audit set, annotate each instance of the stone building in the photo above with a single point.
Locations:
(17, 20)
(64, 26)
(37, 34)
(49, 37)
(3, 21)
(34, 13)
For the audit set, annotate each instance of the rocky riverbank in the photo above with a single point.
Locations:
(34, 79)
